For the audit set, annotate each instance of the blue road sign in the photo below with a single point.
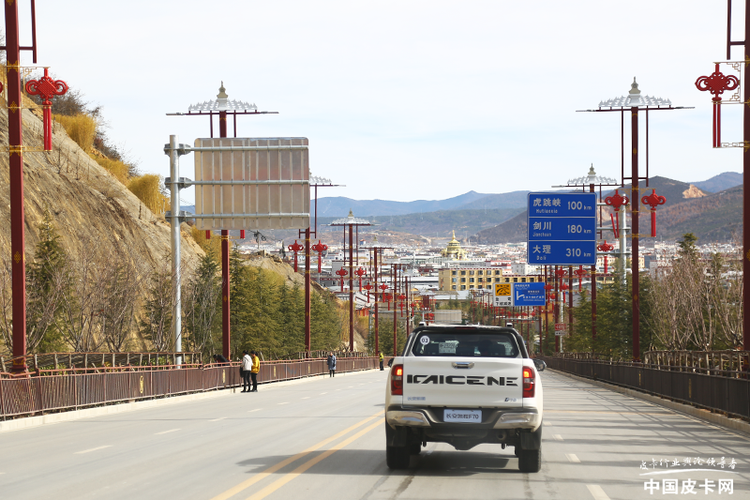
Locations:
(529, 294)
(562, 204)
(562, 253)
(562, 229)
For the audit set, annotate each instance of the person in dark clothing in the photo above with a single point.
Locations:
(218, 358)
(331, 365)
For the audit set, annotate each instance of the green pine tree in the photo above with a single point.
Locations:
(47, 285)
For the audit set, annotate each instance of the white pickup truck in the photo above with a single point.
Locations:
(464, 385)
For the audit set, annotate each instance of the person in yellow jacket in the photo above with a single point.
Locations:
(254, 370)
(381, 361)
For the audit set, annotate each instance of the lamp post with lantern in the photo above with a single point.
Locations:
(634, 103)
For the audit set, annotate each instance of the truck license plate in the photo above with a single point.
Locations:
(462, 416)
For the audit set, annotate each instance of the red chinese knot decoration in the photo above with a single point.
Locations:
(320, 248)
(46, 88)
(653, 200)
(616, 201)
(342, 272)
(605, 247)
(295, 248)
(360, 272)
(580, 272)
(716, 83)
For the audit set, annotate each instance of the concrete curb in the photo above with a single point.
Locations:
(114, 408)
(735, 424)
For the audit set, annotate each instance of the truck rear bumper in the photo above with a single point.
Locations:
(526, 418)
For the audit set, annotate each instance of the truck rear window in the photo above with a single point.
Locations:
(451, 344)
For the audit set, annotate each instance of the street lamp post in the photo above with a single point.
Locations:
(634, 102)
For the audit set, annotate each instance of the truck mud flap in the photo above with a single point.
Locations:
(396, 437)
(531, 440)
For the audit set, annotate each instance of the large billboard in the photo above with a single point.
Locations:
(253, 183)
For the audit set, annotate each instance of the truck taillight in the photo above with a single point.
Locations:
(397, 380)
(528, 382)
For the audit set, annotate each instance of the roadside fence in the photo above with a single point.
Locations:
(74, 388)
(717, 381)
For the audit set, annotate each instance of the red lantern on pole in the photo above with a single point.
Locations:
(605, 247)
(653, 200)
(616, 201)
(320, 248)
(368, 287)
(295, 248)
(360, 272)
(342, 272)
(46, 88)
(717, 83)
(580, 272)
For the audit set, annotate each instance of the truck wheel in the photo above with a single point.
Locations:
(415, 448)
(397, 457)
(529, 460)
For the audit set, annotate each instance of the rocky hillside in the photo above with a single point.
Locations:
(91, 211)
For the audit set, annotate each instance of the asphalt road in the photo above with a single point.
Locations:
(323, 438)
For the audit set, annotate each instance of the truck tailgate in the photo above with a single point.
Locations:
(463, 382)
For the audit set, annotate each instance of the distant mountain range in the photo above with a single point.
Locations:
(710, 216)
(711, 209)
(335, 207)
(340, 206)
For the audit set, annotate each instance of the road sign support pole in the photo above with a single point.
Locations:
(174, 172)
(635, 203)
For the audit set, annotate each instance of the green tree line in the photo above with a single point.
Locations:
(99, 301)
(693, 304)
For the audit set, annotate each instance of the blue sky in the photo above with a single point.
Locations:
(403, 100)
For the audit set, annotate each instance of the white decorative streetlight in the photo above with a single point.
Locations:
(634, 102)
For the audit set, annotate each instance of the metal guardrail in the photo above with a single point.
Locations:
(98, 360)
(726, 391)
(58, 390)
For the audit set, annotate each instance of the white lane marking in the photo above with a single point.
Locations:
(284, 403)
(323, 393)
(557, 437)
(597, 492)
(546, 422)
(257, 409)
(572, 458)
(217, 419)
(87, 451)
(166, 432)
(306, 397)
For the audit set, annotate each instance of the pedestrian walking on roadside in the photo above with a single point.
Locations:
(247, 366)
(254, 369)
(331, 364)
(381, 361)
